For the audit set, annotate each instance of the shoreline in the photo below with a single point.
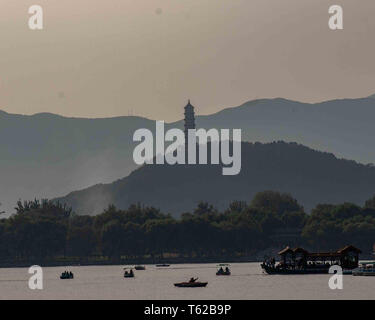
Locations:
(139, 261)
(171, 261)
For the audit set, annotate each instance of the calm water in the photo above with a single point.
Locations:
(246, 282)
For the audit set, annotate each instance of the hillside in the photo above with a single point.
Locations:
(310, 176)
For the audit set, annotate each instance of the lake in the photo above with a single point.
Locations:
(246, 282)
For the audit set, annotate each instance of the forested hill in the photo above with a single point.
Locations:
(312, 177)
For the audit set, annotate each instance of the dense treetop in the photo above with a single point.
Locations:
(47, 229)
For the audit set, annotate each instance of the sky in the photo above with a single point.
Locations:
(106, 58)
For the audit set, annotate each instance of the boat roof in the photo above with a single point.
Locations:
(287, 249)
(349, 248)
(338, 253)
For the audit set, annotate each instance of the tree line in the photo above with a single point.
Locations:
(49, 230)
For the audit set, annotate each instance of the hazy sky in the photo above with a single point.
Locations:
(101, 58)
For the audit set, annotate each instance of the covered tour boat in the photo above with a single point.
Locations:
(300, 261)
(67, 275)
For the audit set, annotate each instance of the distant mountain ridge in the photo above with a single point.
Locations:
(47, 155)
(312, 177)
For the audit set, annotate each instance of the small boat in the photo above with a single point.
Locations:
(163, 265)
(67, 275)
(223, 271)
(129, 274)
(140, 268)
(365, 269)
(191, 285)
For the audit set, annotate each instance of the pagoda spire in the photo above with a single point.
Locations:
(189, 121)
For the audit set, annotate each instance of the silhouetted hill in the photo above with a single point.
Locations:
(312, 177)
(343, 127)
(46, 155)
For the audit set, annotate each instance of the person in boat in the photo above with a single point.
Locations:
(221, 270)
(227, 270)
(70, 274)
(192, 280)
(131, 272)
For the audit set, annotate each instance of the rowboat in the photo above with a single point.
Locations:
(191, 284)
(223, 270)
(66, 275)
(128, 274)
